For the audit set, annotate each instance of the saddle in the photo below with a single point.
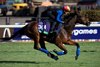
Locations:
(44, 27)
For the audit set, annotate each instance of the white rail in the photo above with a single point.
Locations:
(19, 26)
(11, 26)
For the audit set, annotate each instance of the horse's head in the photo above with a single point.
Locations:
(75, 17)
(82, 19)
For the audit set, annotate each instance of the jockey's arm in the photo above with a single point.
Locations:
(52, 15)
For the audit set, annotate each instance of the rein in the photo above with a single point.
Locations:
(68, 17)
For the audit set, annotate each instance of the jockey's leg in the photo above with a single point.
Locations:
(53, 24)
(58, 28)
(55, 31)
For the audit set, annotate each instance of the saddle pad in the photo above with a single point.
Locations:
(44, 27)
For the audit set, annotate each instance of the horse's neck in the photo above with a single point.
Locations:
(71, 24)
(69, 30)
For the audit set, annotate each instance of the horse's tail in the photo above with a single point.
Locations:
(19, 32)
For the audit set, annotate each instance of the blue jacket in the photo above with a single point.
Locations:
(54, 14)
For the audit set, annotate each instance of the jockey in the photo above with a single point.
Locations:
(55, 14)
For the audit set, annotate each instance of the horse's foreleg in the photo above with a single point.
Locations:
(70, 42)
(61, 46)
(42, 43)
(77, 51)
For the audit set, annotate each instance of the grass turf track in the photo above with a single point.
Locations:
(23, 55)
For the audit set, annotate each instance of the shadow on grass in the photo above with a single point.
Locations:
(89, 51)
(27, 62)
(23, 62)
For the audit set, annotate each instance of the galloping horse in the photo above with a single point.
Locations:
(64, 37)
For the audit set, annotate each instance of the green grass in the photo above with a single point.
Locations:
(23, 55)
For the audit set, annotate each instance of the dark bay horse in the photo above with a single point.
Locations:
(64, 37)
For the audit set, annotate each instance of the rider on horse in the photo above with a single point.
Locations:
(55, 14)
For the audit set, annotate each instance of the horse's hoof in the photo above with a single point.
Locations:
(53, 56)
(76, 57)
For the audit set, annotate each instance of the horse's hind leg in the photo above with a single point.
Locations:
(42, 43)
(33, 33)
(43, 49)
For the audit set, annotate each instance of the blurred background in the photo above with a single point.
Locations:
(19, 52)
(20, 12)
(27, 7)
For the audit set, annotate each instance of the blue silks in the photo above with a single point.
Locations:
(60, 53)
(60, 12)
(78, 52)
(44, 50)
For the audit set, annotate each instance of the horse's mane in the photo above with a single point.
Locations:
(69, 23)
(68, 18)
